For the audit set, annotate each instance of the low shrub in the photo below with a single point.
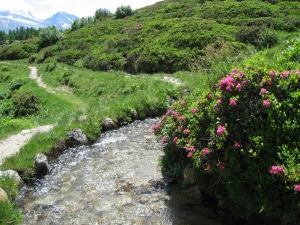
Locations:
(26, 103)
(260, 37)
(243, 142)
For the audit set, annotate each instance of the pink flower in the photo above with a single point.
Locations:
(191, 149)
(221, 130)
(204, 151)
(163, 117)
(219, 102)
(276, 169)
(297, 187)
(237, 144)
(186, 131)
(181, 118)
(232, 102)
(189, 155)
(263, 91)
(266, 103)
(208, 167)
(194, 110)
(198, 103)
(169, 112)
(272, 74)
(209, 96)
(298, 72)
(228, 88)
(245, 81)
(221, 165)
(285, 74)
(239, 86)
(156, 127)
(175, 139)
(182, 103)
(180, 128)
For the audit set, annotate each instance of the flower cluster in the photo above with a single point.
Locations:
(277, 170)
(204, 151)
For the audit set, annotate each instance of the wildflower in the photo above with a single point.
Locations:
(232, 102)
(175, 139)
(263, 91)
(194, 110)
(204, 151)
(239, 86)
(237, 144)
(163, 117)
(272, 74)
(182, 103)
(221, 165)
(198, 103)
(219, 102)
(189, 155)
(221, 130)
(245, 81)
(266, 103)
(186, 131)
(169, 112)
(209, 95)
(180, 128)
(156, 127)
(285, 74)
(298, 72)
(191, 149)
(181, 118)
(228, 88)
(276, 169)
(208, 167)
(297, 187)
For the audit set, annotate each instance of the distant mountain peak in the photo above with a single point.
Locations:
(11, 17)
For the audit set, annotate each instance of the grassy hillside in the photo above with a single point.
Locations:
(167, 36)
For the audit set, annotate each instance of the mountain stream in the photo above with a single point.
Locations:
(115, 181)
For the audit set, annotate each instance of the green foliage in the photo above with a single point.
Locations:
(15, 84)
(292, 53)
(101, 14)
(123, 11)
(237, 137)
(49, 36)
(10, 214)
(50, 64)
(257, 36)
(26, 103)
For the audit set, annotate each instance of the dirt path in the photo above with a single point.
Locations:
(12, 144)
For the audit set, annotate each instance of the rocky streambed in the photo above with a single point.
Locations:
(115, 181)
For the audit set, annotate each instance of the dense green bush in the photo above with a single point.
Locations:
(49, 36)
(243, 142)
(260, 37)
(123, 11)
(26, 103)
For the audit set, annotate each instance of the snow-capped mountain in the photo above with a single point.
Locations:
(61, 20)
(17, 13)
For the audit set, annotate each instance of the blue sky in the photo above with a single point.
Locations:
(45, 8)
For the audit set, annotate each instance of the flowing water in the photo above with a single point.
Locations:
(116, 181)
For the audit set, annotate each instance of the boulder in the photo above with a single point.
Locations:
(188, 176)
(12, 175)
(41, 166)
(3, 195)
(77, 137)
(109, 124)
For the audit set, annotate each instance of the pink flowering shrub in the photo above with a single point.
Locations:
(243, 141)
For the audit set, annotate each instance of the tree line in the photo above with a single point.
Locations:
(20, 33)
